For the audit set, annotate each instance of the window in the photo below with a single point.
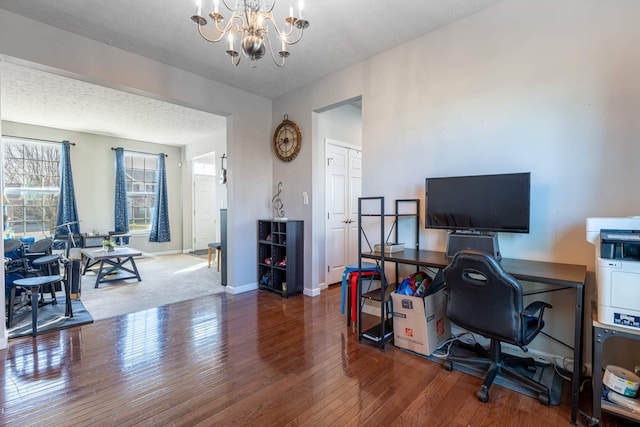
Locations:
(141, 175)
(31, 184)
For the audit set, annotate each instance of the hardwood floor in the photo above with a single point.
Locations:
(253, 359)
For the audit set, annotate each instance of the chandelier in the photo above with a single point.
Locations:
(253, 25)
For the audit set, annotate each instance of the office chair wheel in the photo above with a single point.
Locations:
(544, 399)
(483, 394)
(448, 365)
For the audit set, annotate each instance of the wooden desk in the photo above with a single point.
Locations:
(117, 259)
(549, 273)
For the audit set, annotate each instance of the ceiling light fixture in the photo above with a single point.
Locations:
(250, 24)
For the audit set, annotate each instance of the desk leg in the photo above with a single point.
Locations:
(35, 301)
(577, 355)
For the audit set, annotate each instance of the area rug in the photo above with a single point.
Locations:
(50, 318)
(166, 279)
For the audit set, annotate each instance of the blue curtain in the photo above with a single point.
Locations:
(67, 210)
(160, 225)
(121, 221)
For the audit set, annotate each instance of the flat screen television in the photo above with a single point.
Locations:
(479, 203)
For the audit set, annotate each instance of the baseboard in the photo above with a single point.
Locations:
(242, 288)
(371, 307)
(311, 292)
(161, 253)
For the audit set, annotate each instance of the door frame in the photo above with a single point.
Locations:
(327, 142)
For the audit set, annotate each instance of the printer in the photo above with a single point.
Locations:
(617, 248)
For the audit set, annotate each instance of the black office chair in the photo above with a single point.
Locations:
(484, 299)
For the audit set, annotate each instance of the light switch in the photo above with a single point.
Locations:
(305, 197)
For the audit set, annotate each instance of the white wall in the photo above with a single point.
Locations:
(547, 87)
(306, 171)
(342, 123)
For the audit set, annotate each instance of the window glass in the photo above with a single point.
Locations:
(31, 184)
(141, 171)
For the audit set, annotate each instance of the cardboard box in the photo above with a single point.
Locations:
(420, 324)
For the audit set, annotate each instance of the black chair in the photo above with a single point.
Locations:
(484, 299)
(39, 250)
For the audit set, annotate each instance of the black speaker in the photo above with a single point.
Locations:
(487, 243)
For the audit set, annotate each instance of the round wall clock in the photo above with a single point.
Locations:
(287, 140)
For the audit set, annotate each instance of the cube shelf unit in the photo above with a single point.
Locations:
(281, 256)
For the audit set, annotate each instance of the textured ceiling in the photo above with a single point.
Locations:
(341, 33)
(45, 99)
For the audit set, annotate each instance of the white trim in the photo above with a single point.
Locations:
(340, 144)
(242, 288)
(174, 252)
(311, 292)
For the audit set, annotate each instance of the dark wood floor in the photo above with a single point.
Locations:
(252, 359)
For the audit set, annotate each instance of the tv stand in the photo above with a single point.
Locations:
(483, 242)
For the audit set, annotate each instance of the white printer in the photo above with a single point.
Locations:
(617, 245)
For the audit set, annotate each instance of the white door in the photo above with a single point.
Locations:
(204, 214)
(343, 188)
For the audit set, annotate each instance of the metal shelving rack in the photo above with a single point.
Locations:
(601, 333)
(382, 331)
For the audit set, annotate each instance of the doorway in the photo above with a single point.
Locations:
(343, 187)
(205, 214)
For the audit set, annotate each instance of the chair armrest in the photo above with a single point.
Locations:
(535, 307)
(532, 309)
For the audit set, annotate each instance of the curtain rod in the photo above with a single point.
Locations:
(140, 152)
(35, 139)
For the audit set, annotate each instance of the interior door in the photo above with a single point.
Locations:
(343, 188)
(204, 214)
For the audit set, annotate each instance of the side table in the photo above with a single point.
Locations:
(34, 283)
